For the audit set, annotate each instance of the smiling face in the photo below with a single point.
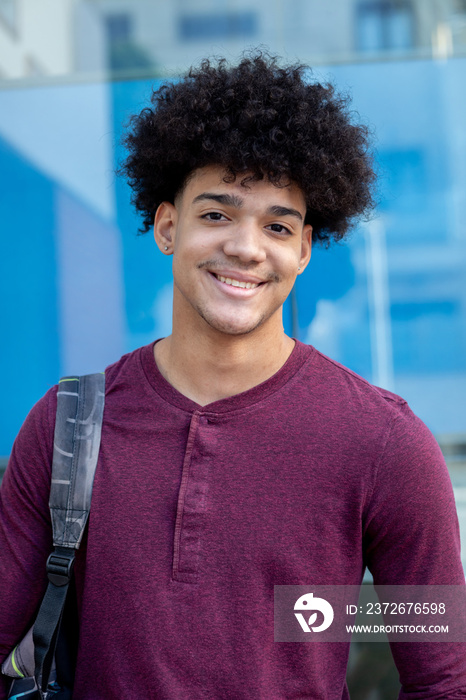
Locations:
(236, 251)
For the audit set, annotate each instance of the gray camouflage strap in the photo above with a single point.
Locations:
(78, 426)
(80, 402)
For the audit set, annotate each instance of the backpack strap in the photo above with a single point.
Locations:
(78, 426)
(80, 403)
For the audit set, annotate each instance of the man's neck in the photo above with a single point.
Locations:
(211, 366)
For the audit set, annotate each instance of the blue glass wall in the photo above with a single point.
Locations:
(79, 287)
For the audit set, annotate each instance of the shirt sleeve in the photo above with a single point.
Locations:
(412, 538)
(25, 528)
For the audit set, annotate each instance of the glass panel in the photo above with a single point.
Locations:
(390, 304)
(118, 27)
(370, 21)
(217, 26)
(400, 29)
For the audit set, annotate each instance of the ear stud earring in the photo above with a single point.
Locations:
(166, 247)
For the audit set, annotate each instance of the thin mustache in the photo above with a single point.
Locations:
(269, 277)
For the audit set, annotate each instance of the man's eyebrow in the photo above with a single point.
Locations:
(229, 200)
(232, 200)
(284, 211)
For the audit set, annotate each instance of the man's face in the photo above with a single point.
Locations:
(236, 250)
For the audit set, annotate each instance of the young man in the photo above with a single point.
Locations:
(234, 458)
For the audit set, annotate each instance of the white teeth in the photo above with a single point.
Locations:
(236, 283)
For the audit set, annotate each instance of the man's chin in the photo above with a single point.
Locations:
(233, 328)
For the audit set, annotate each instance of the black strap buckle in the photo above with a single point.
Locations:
(59, 567)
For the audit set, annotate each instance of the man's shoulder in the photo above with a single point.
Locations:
(124, 362)
(364, 411)
(341, 384)
(129, 369)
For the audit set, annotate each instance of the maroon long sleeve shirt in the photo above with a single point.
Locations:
(197, 512)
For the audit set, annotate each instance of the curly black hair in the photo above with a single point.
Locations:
(256, 119)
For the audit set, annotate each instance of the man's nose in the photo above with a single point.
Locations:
(246, 242)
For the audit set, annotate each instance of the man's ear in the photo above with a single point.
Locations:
(306, 248)
(164, 227)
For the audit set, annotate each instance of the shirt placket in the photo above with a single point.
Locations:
(191, 506)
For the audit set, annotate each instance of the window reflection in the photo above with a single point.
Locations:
(384, 25)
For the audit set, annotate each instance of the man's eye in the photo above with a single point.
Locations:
(213, 216)
(278, 228)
